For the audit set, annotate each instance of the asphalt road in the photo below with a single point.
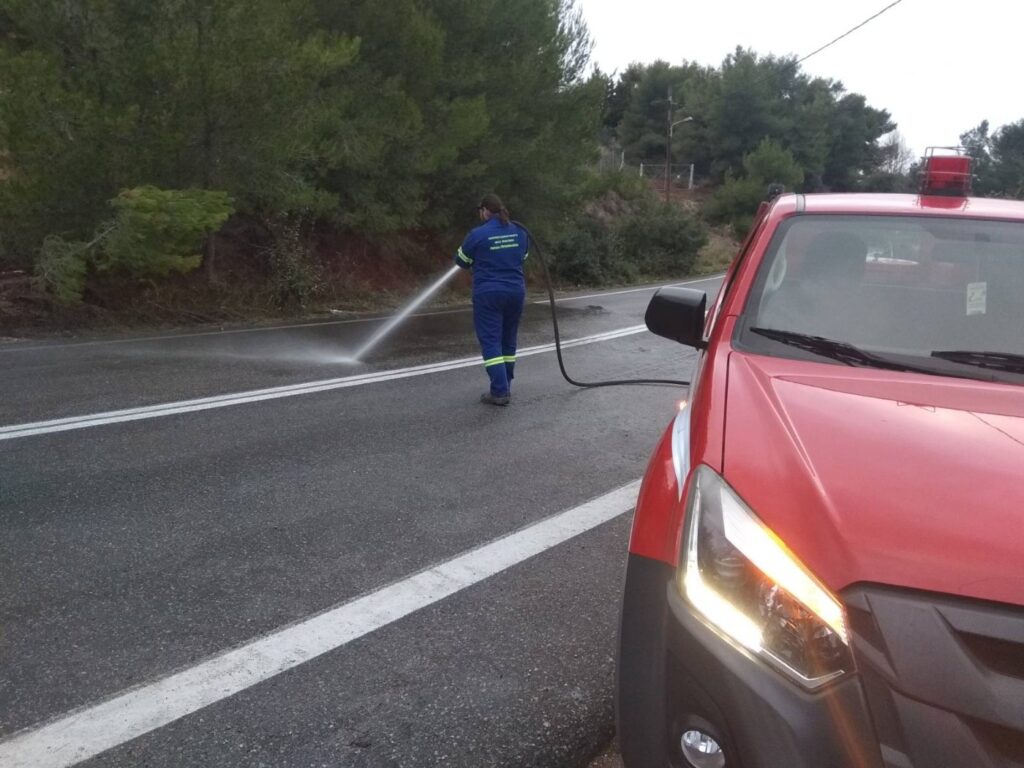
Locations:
(240, 502)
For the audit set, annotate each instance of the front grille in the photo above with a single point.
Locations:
(944, 677)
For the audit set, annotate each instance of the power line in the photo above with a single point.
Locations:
(765, 75)
(849, 32)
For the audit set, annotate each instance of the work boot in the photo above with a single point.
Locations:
(490, 399)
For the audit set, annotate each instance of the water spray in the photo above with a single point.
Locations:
(407, 310)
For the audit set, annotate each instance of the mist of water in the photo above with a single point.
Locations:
(284, 348)
(381, 333)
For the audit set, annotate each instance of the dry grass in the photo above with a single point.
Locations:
(718, 254)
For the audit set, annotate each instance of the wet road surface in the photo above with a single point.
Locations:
(377, 496)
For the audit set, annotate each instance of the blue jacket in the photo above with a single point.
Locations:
(495, 252)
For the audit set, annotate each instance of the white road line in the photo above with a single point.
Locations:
(20, 347)
(88, 731)
(628, 290)
(69, 423)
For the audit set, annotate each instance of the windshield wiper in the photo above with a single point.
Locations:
(841, 351)
(998, 361)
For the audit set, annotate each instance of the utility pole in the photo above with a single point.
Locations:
(668, 144)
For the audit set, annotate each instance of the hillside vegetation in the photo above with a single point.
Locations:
(199, 159)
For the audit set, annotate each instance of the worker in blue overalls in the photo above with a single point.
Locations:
(495, 252)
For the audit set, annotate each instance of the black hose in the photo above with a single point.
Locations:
(558, 339)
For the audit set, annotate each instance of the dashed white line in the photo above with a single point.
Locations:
(69, 423)
(91, 730)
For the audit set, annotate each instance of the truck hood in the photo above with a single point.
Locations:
(886, 477)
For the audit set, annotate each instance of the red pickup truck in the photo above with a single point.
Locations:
(826, 568)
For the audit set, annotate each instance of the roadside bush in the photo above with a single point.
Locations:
(658, 240)
(773, 165)
(736, 201)
(160, 231)
(583, 253)
(294, 277)
(625, 185)
(651, 240)
(154, 232)
(61, 269)
(624, 234)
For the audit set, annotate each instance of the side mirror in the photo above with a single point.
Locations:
(678, 314)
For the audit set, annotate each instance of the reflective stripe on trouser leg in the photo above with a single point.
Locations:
(498, 376)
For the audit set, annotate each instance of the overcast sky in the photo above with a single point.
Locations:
(940, 67)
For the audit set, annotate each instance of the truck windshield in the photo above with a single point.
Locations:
(943, 296)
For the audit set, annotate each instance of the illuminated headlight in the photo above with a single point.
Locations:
(745, 582)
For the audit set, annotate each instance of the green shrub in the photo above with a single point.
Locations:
(736, 201)
(651, 240)
(625, 185)
(583, 253)
(294, 277)
(160, 231)
(62, 268)
(659, 240)
(154, 232)
(773, 165)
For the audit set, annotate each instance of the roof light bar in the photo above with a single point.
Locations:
(946, 174)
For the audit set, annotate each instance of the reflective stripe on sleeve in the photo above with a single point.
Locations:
(463, 256)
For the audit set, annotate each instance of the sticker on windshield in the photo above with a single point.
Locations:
(977, 296)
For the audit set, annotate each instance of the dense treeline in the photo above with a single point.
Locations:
(760, 119)
(998, 159)
(132, 129)
(831, 134)
(365, 116)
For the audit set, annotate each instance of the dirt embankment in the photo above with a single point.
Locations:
(255, 274)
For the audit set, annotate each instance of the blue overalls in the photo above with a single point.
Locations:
(495, 252)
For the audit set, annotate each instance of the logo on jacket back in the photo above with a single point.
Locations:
(501, 242)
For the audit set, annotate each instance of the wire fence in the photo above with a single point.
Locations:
(681, 174)
(614, 159)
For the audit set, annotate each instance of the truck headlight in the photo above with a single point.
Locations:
(746, 583)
